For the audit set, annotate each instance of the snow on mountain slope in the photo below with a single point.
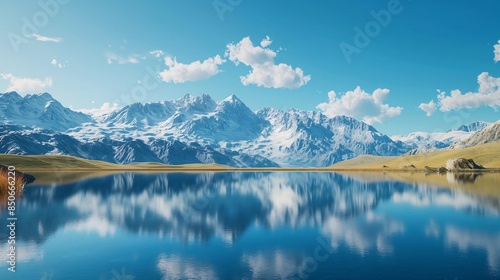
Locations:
(473, 126)
(306, 138)
(138, 114)
(431, 139)
(38, 110)
(199, 119)
(18, 140)
(422, 142)
(198, 129)
(231, 120)
(491, 133)
(293, 139)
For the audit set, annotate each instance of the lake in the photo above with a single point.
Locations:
(258, 225)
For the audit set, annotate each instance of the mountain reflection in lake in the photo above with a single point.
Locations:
(248, 225)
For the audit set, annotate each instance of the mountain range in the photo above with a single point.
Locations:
(490, 133)
(198, 129)
(422, 142)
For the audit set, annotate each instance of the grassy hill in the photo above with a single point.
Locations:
(59, 168)
(61, 162)
(487, 155)
(51, 162)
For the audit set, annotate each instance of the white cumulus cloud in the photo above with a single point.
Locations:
(361, 105)
(264, 70)
(428, 108)
(488, 94)
(157, 53)
(41, 38)
(57, 64)
(26, 85)
(266, 42)
(496, 51)
(106, 108)
(179, 72)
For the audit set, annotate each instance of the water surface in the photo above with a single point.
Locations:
(277, 225)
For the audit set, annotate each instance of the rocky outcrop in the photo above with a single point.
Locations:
(429, 169)
(490, 134)
(26, 178)
(422, 150)
(462, 164)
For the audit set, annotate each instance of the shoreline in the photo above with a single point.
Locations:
(487, 155)
(253, 169)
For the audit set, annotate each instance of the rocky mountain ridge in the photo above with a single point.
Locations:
(194, 129)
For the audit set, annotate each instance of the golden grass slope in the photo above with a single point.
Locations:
(487, 155)
(70, 163)
(50, 162)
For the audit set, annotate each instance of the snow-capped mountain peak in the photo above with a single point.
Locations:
(39, 97)
(195, 104)
(473, 126)
(10, 97)
(232, 102)
(422, 142)
(39, 110)
(232, 99)
(490, 133)
(297, 137)
(195, 129)
(141, 114)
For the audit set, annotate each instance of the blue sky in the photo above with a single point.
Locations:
(379, 61)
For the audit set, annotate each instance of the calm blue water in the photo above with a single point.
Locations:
(253, 226)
